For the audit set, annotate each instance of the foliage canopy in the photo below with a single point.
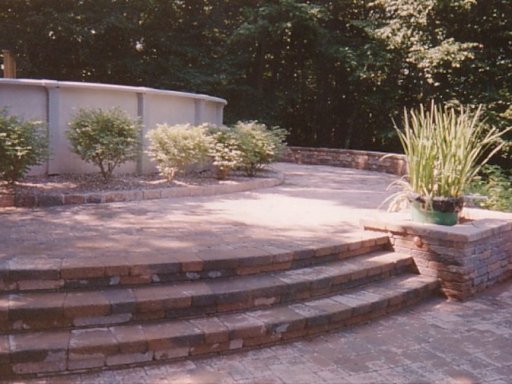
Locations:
(332, 71)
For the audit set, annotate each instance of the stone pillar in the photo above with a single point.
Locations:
(9, 64)
(54, 135)
(141, 114)
(220, 114)
(198, 111)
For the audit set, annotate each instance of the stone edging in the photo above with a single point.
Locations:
(467, 258)
(31, 200)
(393, 163)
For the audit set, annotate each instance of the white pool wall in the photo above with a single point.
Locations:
(56, 102)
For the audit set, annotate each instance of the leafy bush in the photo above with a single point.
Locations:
(176, 147)
(22, 144)
(224, 150)
(104, 138)
(259, 146)
(248, 146)
(493, 183)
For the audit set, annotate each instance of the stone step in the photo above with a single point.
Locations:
(125, 269)
(33, 311)
(98, 348)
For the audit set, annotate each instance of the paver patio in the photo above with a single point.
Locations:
(314, 205)
(438, 341)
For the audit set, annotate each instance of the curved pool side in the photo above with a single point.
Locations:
(55, 102)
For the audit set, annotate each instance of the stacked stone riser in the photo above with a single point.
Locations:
(211, 305)
(29, 312)
(121, 270)
(97, 348)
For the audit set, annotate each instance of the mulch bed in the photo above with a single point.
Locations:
(68, 184)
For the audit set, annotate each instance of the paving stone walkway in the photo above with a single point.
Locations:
(437, 342)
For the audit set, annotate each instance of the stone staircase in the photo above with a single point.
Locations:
(97, 313)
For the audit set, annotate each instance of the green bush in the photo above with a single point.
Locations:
(258, 145)
(493, 183)
(23, 144)
(224, 150)
(248, 146)
(176, 147)
(104, 138)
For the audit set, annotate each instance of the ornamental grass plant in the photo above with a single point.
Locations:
(445, 147)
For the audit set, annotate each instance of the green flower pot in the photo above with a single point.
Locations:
(445, 211)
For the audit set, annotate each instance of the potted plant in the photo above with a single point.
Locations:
(445, 147)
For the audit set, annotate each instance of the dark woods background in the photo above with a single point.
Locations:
(334, 73)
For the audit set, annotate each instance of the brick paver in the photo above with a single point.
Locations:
(436, 342)
(39, 311)
(313, 206)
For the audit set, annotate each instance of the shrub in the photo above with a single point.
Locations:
(493, 183)
(22, 144)
(104, 138)
(248, 146)
(258, 145)
(224, 150)
(175, 147)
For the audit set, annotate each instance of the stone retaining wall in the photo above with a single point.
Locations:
(373, 161)
(467, 258)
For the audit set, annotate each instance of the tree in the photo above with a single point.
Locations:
(332, 72)
(455, 50)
